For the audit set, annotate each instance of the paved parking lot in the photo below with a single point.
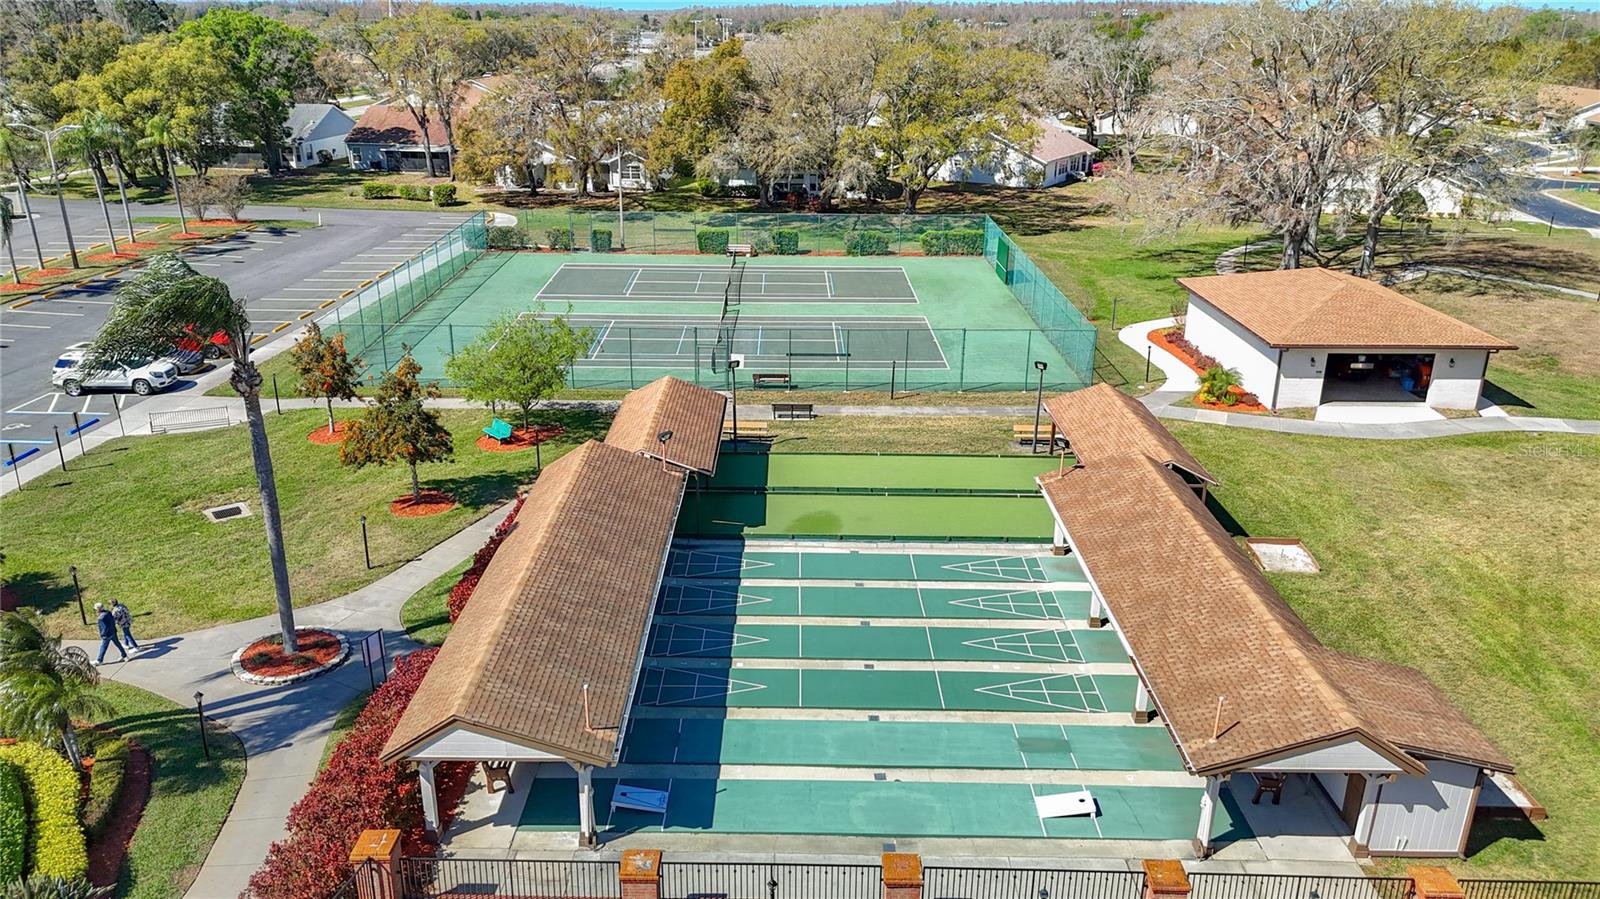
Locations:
(286, 275)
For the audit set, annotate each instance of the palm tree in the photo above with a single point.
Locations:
(109, 136)
(159, 134)
(169, 302)
(13, 156)
(5, 234)
(88, 145)
(44, 686)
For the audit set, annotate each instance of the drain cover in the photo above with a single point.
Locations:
(223, 513)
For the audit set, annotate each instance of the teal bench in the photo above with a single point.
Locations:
(499, 430)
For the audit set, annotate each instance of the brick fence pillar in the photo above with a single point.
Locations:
(1432, 883)
(376, 858)
(902, 875)
(640, 874)
(1165, 879)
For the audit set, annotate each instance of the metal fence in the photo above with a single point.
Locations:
(1296, 886)
(761, 880)
(678, 232)
(1530, 889)
(1060, 321)
(1043, 883)
(434, 878)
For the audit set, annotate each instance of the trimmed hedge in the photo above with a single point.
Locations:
(600, 240)
(415, 192)
(55, 841)
(376, 190)
(106, 779)
(955, 242)
(866, 243)
(506, 237)
(443, 194)
(13, 824)
(712, 240)
(558, 238)
(357, 792)
(786, 242)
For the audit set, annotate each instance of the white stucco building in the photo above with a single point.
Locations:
(1304, 337)
(316, 134)
(1055, 157)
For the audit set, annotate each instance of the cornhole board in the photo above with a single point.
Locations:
(639, 799)
(1064, 805)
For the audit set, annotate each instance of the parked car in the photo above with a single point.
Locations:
(213, 347)
(142, 376)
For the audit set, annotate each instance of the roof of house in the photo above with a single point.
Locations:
(1056, 142)
(1101, 422)
(1206, 626)
(305, 117)
(393, 126)
(1318, 307)
(1568, 98)
(564, 603)
(693, 415)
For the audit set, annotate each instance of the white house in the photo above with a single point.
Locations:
(316, 134)
(1303, 337)
(1563, 107)
(1056, 156)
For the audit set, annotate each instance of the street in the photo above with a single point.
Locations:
(1548, 209)
(283, 273)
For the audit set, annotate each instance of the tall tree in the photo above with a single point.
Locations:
(110, 138)
(167, 303)
(326, 369)
(398, 427)
(89, 144)
(43, 62)
(160, 136)
(269, 64)
(519, 359)
(1099, 69)
(44, 686)
(703, 99)
(6, 230)
(560, 100)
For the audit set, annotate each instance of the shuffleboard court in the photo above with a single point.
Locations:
(824, 601)
(581, 282)
(889, 643)
(824, 688)
(898, 744)
(829, 470)
(731, 561)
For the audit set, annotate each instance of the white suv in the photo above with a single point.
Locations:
(141, 375)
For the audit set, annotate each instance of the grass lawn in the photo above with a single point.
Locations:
(425, 616)
(159, 237)
(1470, 558)
(1585, 198)
(128, 516)
(342, 723)
(189, 794)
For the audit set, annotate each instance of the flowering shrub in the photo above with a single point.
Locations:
(55, 841)
(13, 823)
(462, 591)
(357, 792)
(1196, 358)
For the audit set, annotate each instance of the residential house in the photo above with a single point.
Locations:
(386, 137)
(316, 134)
(1056, 156)
(1563, 107)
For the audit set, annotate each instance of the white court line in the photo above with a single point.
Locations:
(632, 279)
(830, 283)
(601, 341)
(682, 336)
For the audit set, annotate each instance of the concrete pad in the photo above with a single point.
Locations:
(1377, 413)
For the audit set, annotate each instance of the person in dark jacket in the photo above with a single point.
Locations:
(108, 633)
(124, 620)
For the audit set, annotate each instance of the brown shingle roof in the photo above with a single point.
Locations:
(1318, 307)
(565, 602)
(693, 415)
(1101, 422)
(393, 126)
(1203, 622)
(1567, 99)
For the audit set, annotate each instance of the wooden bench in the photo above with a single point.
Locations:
(497, 773)
(757, 428)
(741, 249)
(1025, 434)
(793, 411)
(499, 430)
(771, 379)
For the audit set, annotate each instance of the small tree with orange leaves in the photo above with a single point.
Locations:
(325, 369)
(398, 427)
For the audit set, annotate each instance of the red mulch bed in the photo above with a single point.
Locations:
(432, 503)
(1159, 338)
(266, 657)
(321, 437)
(217, 223)
(107, 851)
(1240, 406)
(521, 439)
(186, 235)
(24, 287)
(112, 257)
(141, 245)
(49, 272)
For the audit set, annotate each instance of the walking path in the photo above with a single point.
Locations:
(283, 728)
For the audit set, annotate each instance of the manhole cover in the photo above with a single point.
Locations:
(223, 513)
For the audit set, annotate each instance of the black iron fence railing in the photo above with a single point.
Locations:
(1296, 886)
(760, 880)
(435, 878)
(1041, 883)
(1530, 889)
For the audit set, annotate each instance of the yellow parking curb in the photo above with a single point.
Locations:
(281, 327)
(306, 315)
(257, 339)
(327, 304)
(364, 284)
(23, 303)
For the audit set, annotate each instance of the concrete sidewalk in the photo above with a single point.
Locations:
(284, 729)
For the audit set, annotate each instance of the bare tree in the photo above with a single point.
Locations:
(1098, 70)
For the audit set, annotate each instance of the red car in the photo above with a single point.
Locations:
(214, 348)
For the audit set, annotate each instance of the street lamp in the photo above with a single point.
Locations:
(733, 385)
(55, 174)
(200, 712)
(1038, 405)
(662, 439)
(622, 241)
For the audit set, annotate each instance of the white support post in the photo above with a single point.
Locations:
(430, 798)
(1361, 840)
(586, 830)
(1208, 812)
(1097, 617)
(1144, 708)
(1061, 535)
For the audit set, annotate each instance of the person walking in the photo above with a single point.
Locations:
(124, 620)
(108, 633)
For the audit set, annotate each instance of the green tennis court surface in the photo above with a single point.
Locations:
(827, 688)
(704, 600)
(893, 643)
(889, 808)
(897, 744)
(838, 470)
(731, 560)
(769, 282)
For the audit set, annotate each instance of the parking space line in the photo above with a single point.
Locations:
(42, 312)
(6, 324)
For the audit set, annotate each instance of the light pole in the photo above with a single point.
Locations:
(662, 439)
(733, 385)
(200, 713)
(55, 177)
(622, 242)
(1038, 405)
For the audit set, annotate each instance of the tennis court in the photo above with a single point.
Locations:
(859, 689)
(576, 281)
